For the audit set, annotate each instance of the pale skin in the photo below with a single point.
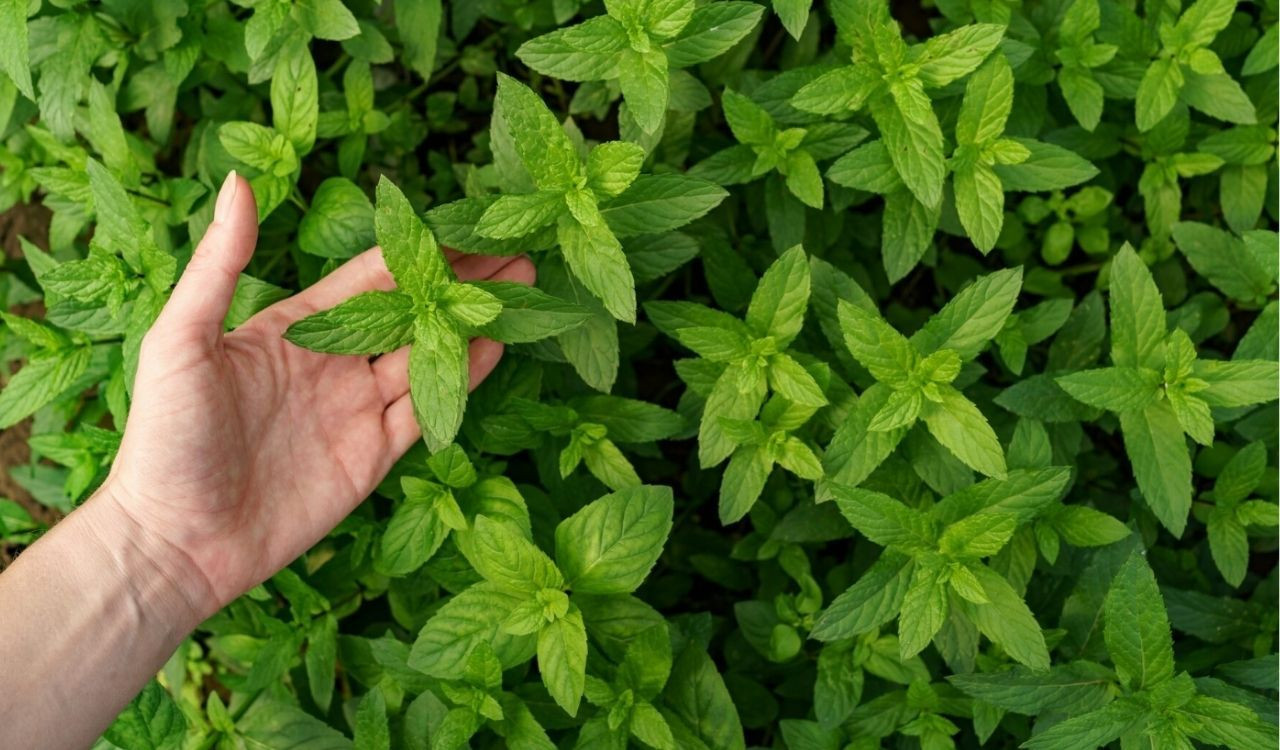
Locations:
(241, 451)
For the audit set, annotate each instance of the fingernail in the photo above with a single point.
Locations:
(226, 196)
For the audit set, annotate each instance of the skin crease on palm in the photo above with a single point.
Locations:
(242, 449)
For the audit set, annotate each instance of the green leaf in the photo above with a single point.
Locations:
(321, 659)
(41, 381)
(778, 305)
(1218, 96)
(875, 344)
(151, 721)
(1237, 383)
(884, 520)
(367, 324)
(660, 203)
(1090, 730)
(794, 15)
(408, 246)
(1137, 628)
(529, 314)
(987, 102)
(594, 255)
(1114, 388)
(543, 147)
(914, 140)
(610, 545)
(959, 425)
(562, 659)
(1157, 449)
(924, 609)
(613, 166)
(418, 22)
(1138, 324)
(869, 603)
(371, 731)
(973, 317)
(750, 123)
(415, 531)
(1081, 526)
(840, 90)
(949, 57)
(295, 98)
(589, 51)
(1225, 261)
(1158, 92)
(643, 80)
(518, 215)
(980, 205)
(712, 30)
(737, 394)
(14, 57)
(1008, 622)
(1241, 474)
(505, 558)
(1047, 167)
(327, 19)
(470, 617)
(1073, 688)
(794, 383)
(698, 698)
(1229, 545)
(339, 223)
(438, 377)
(803, 178)
(744, 480)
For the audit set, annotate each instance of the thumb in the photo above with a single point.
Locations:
(203, 294)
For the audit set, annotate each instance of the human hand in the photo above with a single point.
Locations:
(241, 449)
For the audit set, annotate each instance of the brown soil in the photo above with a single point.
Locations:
(30, 221)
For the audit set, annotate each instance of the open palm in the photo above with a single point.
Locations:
(242, 450)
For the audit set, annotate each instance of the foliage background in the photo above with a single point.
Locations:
(1046, 137)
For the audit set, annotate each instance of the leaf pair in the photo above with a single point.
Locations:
(931, 568)
(607, 548)
(890, 78)
(1187, 70)
(1160, 705)
(431, 312)
(570, 195)
(750, 356)
(626, 703)
(1161, 390)
(594, 425)
(638, 43)
(913, 380)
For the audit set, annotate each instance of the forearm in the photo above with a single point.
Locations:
(87, 615)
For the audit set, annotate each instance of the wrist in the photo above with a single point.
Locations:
(160, 580)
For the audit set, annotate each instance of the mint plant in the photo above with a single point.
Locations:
(1186, 70)
(913, 381)
(1233, 512)
(593, 426)
(432, 312)
(932, 570)
(890, 78)
(785, 157)
(894, 375)
(639, 43)
(607, 548)
(751, 356)
(1161, 390)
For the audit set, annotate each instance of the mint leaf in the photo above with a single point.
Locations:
(609, 546)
